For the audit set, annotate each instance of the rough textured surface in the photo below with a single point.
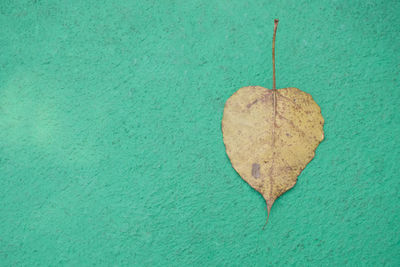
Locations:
(111, 149)
(270, 136)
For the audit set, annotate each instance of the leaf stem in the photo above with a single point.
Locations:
(273, 55)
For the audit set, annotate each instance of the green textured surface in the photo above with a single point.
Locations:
(111, 150)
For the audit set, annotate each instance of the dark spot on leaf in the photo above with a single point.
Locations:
(255, 171)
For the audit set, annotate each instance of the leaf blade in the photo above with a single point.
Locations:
(274, 131)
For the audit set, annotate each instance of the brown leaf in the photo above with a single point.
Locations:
(271, 135)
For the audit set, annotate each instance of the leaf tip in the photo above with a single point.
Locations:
(269, 206)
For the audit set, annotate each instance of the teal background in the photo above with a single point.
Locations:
(111, 150)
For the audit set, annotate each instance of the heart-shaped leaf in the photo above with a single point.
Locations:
(271, 135)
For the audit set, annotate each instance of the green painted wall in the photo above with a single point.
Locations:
(111, 150)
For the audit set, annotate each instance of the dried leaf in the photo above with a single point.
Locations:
(271, 135)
